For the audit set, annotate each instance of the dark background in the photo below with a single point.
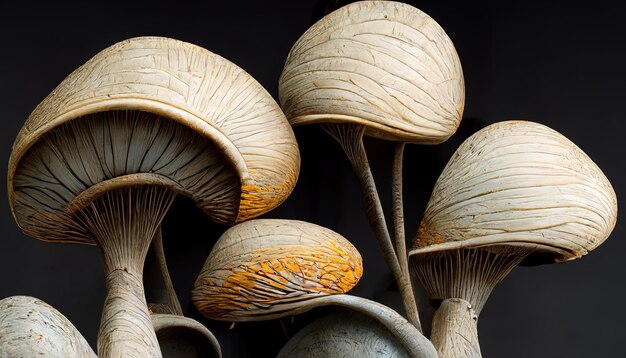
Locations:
(560, 63)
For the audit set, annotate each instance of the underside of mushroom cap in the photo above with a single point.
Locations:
(522, 184)
(268, 266)
(78, 162)
(166, 80)
(470, 274)
(383, 64)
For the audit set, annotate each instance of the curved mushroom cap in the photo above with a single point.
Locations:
(185, 117)
(265, 266)
(343, 335)
(522, 184)
(30, 327)
(382, 64)
(181, 336)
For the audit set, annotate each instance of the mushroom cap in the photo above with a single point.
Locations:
(260, 266)
(180, 83)
(343, 334)
(181, 336)
(30, 327)
(521, 184)
(383, 64)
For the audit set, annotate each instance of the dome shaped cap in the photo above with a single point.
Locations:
(267, 266)
(519, 183)
(344, 334)
(184, 84)
(383, 64)
(30, 327)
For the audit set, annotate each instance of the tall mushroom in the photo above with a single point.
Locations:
(102, 157)
(271, 268)
(382, 69)
(514, 191)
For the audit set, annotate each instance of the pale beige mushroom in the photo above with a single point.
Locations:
(30, 327)
(102, 157)
(344, 334)
(271, 268)
(382, 69)
(513, 191)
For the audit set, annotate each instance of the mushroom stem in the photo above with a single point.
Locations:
(125, 326)
(123, 223)
(173, 305)
(350, 137)
(454, 333)
(400, 239)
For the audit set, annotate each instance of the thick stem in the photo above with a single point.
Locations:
(125, 327)
(400, 241)
(173, 305)
(350, 136)
(454, 333)
(123, 223)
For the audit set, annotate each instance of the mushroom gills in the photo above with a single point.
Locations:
(469, 274)
(86, 152)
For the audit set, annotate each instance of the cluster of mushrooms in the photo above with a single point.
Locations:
(101, 159)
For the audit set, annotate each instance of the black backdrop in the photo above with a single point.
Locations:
(560, 63)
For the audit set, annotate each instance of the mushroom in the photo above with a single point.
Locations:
(344, 334)
(30, 327)
(183, 337)
(381, 69)
(515, 191)
(269, 268)
(100, 160)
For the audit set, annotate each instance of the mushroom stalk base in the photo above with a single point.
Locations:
(454, 332)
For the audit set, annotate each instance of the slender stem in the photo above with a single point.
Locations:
(400, 240)
(350, 136)
(172, 299)
(454, 332)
